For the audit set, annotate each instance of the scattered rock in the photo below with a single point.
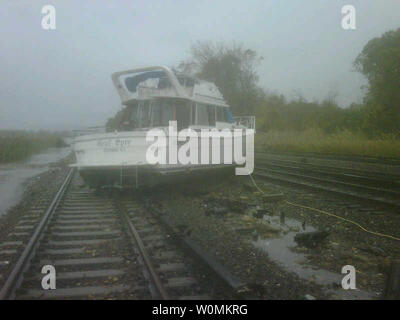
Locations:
(311, 239)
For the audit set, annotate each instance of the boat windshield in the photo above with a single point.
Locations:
(158, 112)
(165, 110)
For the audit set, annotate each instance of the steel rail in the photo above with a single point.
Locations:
(15, 278)
(379, 175)
(377, 160)
(207, 260)
(323, 180)
(203, 257)
(143, 252)
(337, 173)
(320, 188)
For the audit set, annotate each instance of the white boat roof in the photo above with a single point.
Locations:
(161, 82)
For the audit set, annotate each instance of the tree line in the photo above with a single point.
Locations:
(233, 69)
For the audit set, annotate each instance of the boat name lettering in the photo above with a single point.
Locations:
(114, 143)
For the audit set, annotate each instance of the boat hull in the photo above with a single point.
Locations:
(120, 159)
(146, 176)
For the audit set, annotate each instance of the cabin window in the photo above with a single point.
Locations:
(193, 113)
(202, 114)
(163, 112)
(211, 115)
(133, 117)
(169, 110)
(129, 117)
(145, 114)
(222, 114)
(205, 114)
(182, 114)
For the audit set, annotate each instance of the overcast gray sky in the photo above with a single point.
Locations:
(60, 79)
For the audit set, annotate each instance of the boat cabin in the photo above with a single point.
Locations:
(153, 96)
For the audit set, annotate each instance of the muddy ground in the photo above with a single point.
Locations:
(229, 217)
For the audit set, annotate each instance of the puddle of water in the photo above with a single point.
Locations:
(279, 250)
(14, 175)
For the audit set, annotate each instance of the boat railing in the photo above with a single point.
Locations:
(147, 91)
(247, 121)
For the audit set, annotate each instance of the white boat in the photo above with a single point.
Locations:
(152, 97)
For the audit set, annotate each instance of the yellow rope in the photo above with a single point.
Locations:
(332, 215)
(347, 220)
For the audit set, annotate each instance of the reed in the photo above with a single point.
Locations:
(340, 143)
(18, 145)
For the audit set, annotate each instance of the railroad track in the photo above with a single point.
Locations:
(371, 187)
(103, 246)
(359, 159)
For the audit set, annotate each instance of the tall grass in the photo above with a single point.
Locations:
(18, 145)
(340, 143)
